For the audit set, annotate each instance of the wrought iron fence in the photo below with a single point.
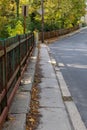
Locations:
(56, 33)
(14, 53)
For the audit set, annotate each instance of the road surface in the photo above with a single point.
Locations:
(71, 55)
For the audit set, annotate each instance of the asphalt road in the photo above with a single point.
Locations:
(71, 56)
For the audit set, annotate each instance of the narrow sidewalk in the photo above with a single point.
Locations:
(52, 109)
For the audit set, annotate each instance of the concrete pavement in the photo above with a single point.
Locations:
(52, 108)
(55, 116)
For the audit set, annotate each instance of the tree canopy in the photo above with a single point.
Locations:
(57, 14)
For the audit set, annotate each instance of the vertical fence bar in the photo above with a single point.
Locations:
(19, 56)
(4, 102)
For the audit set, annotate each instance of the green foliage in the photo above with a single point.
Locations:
(17, 30)
(58, 14)
(6, 13)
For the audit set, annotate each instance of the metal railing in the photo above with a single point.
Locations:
(14, 55)
(56, 33)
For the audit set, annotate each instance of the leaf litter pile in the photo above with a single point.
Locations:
(33, 116)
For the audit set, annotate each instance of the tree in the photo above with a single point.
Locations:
(60, 13)
(6, 13)
(17, 7)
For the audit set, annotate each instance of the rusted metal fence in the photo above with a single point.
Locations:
(56, 33)
(14, 55)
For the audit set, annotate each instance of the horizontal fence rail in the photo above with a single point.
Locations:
(14, 53)
(56, 33)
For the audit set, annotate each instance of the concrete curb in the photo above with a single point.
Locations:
(20, 105)
(71, 108)
(75, 117)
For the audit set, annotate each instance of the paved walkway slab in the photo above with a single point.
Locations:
(17, 122)
(53, 119)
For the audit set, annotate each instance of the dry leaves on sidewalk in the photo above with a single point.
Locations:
(33, 116)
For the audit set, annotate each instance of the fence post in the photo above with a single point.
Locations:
(19, 56)
(4, 101)
(27, 43)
